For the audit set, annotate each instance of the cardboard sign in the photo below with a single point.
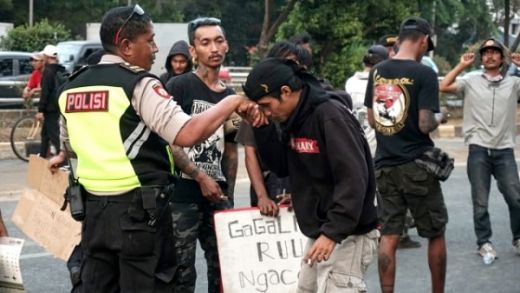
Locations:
(39, 177)
(38, 212)
(259, 253)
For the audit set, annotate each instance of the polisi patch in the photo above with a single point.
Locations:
(304, 145)
(95, 101)
(160, 91)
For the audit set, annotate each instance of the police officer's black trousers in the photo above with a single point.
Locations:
(122, 252)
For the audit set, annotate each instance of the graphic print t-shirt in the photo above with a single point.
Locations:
(396, 91)
(192, 94)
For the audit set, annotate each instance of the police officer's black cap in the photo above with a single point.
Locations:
(491, 43)
(268, 76)
(418, 24)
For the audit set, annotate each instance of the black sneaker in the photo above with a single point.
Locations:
(407, 242)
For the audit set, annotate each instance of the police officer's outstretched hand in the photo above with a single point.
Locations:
(210, 188)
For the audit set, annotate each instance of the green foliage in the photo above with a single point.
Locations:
(458, 24)
(25, 38)
(342, 30)
(443, 64)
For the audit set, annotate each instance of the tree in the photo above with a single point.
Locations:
(466, 24)
(269, 28)
(342, 30)
(30, 39)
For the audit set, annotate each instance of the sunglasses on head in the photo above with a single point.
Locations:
(194, 24)
(137, 10)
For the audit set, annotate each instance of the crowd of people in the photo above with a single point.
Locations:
(358, 166)
(43, 83)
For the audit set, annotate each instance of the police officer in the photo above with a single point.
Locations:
(119, 121)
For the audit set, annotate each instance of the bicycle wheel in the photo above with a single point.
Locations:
(26, 137)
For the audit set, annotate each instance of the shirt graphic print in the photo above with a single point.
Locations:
(208, 154)
(391, 102)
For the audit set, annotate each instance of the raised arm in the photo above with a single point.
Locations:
(448, 84)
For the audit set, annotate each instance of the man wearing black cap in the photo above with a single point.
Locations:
(402, 97)
(490, 103)
(323, 150)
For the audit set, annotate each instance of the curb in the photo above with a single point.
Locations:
(448, 131)
(10, 195)
(451, 131)
(6, 152)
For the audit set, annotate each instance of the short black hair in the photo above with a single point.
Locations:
(412, 35)
(295, 83)
(199, 22)
(114, 19)
(283, 49)
(301, 38)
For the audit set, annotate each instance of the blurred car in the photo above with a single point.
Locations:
(73, 54)
(15, 70)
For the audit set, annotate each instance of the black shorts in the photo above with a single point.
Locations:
(409, 186)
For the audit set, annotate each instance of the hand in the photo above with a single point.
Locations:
(515, 58)
(26, 94)
(232, 123)
(39, 116)
(320, 250)
(35, 92)
(249, 110)
(445, 115)
(285, 199)
(467, 59)
(267, 206)
(210, 188)
(56, 161)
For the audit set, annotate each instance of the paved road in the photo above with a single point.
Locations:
(466, 272)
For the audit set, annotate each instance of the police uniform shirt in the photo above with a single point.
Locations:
(156, 108)
(152, 103)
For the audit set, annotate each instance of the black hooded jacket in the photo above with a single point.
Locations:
(178, 48)
(327, 158)
(50, 84)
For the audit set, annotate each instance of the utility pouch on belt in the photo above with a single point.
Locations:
(73, 195)
(436, 162)
(74, 198)
(149, 197)
(155, 202)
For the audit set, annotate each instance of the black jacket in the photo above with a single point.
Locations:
(328, 161)
(178, 48)
(49, 84)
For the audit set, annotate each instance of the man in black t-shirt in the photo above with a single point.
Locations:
(208, 170)
(402, 96)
